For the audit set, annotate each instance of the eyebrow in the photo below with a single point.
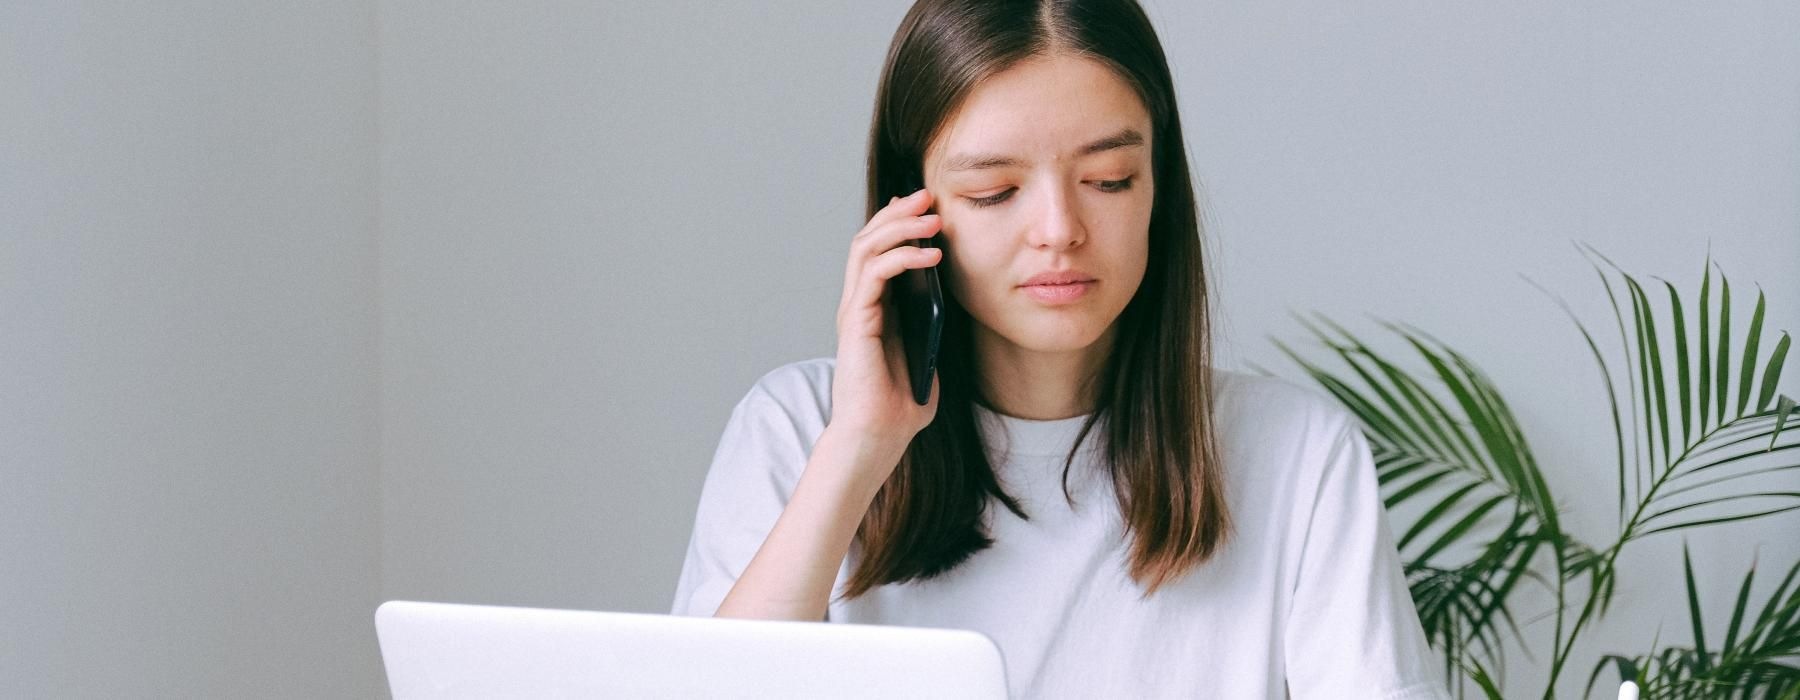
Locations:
(981, 161)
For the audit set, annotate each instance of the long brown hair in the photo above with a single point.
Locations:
(1154, 390)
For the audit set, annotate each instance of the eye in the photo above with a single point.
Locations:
(989, 201)
(1109, 186)
(1115, 185)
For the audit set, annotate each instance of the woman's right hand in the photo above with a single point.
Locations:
(871, 392)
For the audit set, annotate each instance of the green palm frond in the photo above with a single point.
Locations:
(1460, 447)
(1758, 660)
(1627, 670)
(1483, 680)
(1695, 424)
(1461, 608)
(1694, 436)
(1420, 446)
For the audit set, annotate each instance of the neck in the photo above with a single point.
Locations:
(1040, 385)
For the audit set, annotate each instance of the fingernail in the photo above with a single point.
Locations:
(915, 195)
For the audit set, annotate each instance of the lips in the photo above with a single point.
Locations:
(1058, 277)
(1058, 294)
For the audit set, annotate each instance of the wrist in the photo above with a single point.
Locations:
(856, 459)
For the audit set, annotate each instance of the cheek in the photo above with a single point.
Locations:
(1135, 259)
(960, 271)
(973, 270)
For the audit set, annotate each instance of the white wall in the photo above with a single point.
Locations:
(601, 224)
(188, 445)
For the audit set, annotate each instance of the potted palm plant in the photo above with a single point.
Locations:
(1698, 432)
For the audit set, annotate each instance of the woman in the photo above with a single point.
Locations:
(1123, 519)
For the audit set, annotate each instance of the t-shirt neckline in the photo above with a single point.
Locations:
(1038, 438)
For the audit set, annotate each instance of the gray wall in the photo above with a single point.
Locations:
(596, 235)
(188, 367)
(601, 224)
(587, 229)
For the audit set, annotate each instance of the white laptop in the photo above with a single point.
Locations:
(448, 650)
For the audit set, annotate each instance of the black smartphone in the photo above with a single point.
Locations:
(919, 298)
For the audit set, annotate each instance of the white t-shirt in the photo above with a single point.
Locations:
(1308, 596)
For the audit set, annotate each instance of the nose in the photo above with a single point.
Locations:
(1058, 223)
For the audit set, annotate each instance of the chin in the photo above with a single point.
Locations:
(1053, 337)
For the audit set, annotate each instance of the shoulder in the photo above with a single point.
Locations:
(803, 381)
(808, 374)
(775, 424)
(1278, 437)
(1271, 406)
(801, 390)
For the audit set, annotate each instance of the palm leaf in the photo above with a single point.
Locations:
(1612, 394)
(1673, 499)
(1749, 363)
(1627, 671)
(1446, 442)
(1687, 566)
(1683, 382)
(1706, 343)
(1772, 372)
(1631, 385)
(1759, 657)
(1466, 453)
(1483, 680)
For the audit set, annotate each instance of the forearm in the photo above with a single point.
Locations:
(793, 572)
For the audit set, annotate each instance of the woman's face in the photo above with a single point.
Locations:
(1018, 196)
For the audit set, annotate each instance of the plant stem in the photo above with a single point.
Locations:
(1560, 647)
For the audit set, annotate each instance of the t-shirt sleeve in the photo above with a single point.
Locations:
(759, 458)
(1352, 624)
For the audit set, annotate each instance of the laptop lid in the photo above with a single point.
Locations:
(451, 650)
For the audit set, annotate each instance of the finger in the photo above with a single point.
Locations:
(867, 289)
(912, 204)
(894, 234)
(888, 237)
(889, 265)
(868, 293)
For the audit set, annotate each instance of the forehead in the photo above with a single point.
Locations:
(1042, 109)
